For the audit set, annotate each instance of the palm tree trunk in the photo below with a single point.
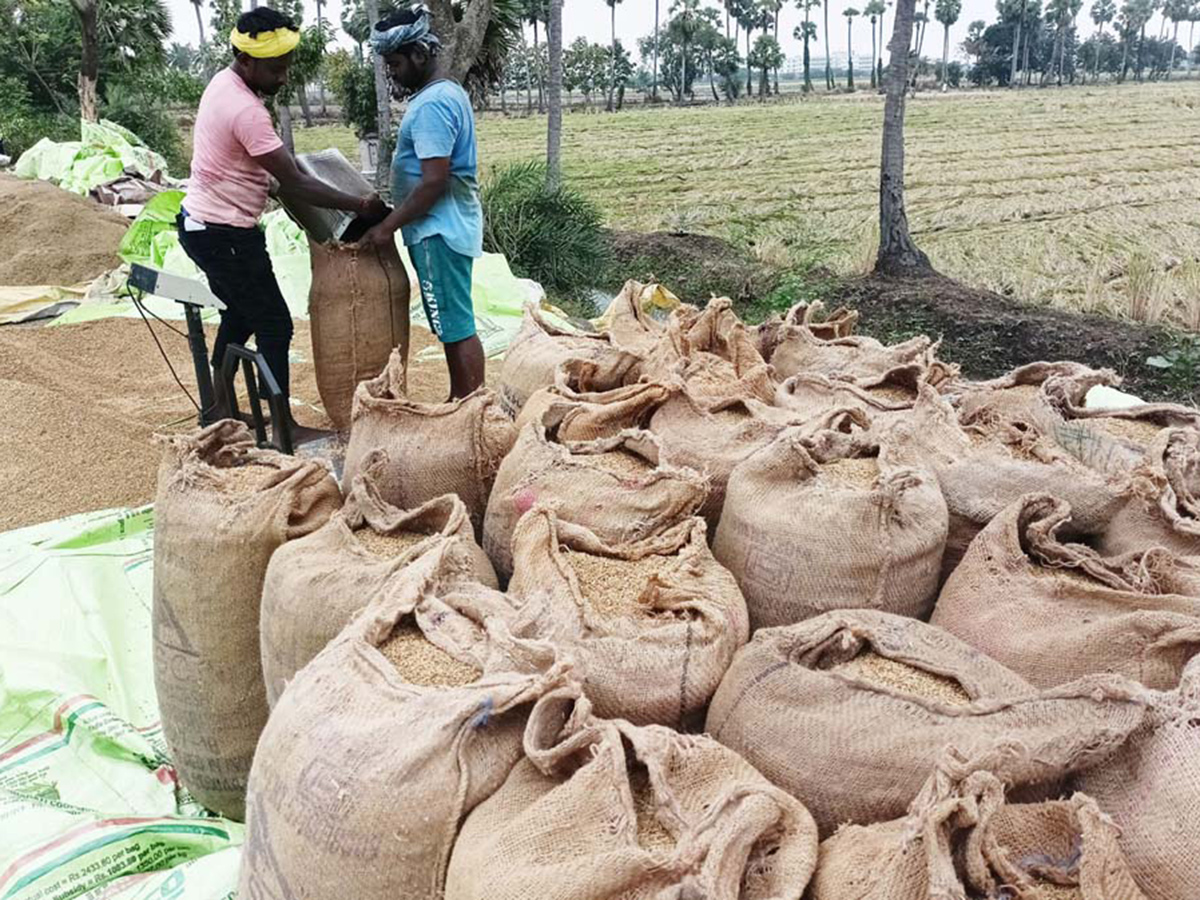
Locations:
(946, 58)
(554, 124)
(807, 67)
(199, 20)
(528, 74)
(612, 64)
(321, 80)
(1096, 61)
(898, 255)
(537, 61)
(712, 84)
(305, 109)
(1016, 54)
(829, 85)
(1141, 45)
(654, 91)
(749, 68)
(1174, 44)
(777, 41)
(1191, 45)
(683, 73)
(1124, 58)
(873, 51)
(1025, 61)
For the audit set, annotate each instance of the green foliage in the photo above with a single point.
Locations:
(353, 84)
(22, 125)
(132, 107)
(552, 235)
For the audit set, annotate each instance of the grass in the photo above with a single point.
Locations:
(1080, 198)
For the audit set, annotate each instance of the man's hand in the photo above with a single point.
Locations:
(373, 209)
(379, 237)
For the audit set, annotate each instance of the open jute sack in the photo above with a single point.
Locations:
(1161, 506)
(538, 348)
(849, 712)
(222, 508)
(627, 320)
(853, 358)
(713, 354)
(593, 402)
(358, 308)
(810, 526)
(1054, 611)
(838, 324)
(894, 394)
(1152, 790)
(316, 585)
(624, 488)
(654, 623)
(385, 741)
(963, 839)
(606, 810)
(1020, 394)
(431, 448)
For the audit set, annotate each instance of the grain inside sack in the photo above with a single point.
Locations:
(605, 810)
(854, 739)
(851, 358)
(1152, 790)
(590, 405)
(430, 449)
(538, 349)
(654, 623)
(1161, 505)
(358, 307)
(962, 838)
(813, 395)
(1054, 611)
(385, 741)
(316, 585)
(624, 488)
(222, 509)
(807, 528)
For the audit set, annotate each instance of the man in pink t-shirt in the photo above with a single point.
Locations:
(235, 154)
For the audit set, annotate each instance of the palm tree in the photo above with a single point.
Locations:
(554, 100)
(1176, 11)
(1016, 52)
(851, 13)
(898, 255)
(875, 10)
(806, 32)
(1103, 12)
(685, 12)
(199, 19)
(612, 69)
(1193, 18)
(947, 12)
(654, 90)
(882, 31)
(828, 65)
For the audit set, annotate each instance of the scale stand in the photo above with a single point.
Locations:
(194, 296)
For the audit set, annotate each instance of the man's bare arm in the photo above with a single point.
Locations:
(435, 177)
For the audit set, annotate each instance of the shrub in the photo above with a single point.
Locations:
(153, 124)
(22, 126)
(553, 236)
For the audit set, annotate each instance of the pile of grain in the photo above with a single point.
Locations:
(893, 395)
(51, 236)
(246, 479)
(1047, 891)
(420, 662)
(612, 586)
(1064, 574)
(388, 546)
(625, 465)
(884, 672)
(858, 472)
(1137, 431)
(652, 835)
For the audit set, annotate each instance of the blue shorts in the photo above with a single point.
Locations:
(445, 278)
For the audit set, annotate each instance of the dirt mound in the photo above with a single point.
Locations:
(694, 266)
(51, 236)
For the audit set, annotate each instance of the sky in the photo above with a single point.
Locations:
(635, 18)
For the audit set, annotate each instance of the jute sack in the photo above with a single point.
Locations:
(593, 402)
(605, 810)
(962, 839)
(1152, 790)
(809, 528)
(222, 508)
(713, 354)
(358, 308)
(538, 348)
(316, 585)
(849, 712)
(852, 358)
(839, 324)
(1054, 611)
(385, 741)
(624, 488)
(432, 448)
(1020, 394)
(881, 399)
(1161, 507)
(627, 320)
(654, 623)
(991, 463)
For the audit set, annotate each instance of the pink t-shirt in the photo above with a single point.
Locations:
(227, 186)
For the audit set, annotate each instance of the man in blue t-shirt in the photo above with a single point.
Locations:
(434, 183)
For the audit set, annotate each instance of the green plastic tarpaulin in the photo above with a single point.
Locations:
(103, 153)
(89, 802)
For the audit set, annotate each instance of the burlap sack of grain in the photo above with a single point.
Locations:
(606, 810)
(1020, 393)
(597, 402)
(713, 354)
(839, 324)
(849, 712)
(358, 308)
(892, 394)
(990, 463)
(1054, 611)
(852, 358)
(624, 488)
(1161, 507)
(316, 585)
(628, 322)
(654, 622)
(222, 508)
(809, 529)
(432, 448)
(385, 741)
(538, 348)
(962, 838)
(1152, 790)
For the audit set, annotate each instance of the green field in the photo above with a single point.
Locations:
(1087, 198)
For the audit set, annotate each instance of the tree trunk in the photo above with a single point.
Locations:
(1191, 45)
(89, 64)
(683, 74)
(461, 41)
(612, 63)
(874, 54)
(777, 41)
(302, 96)
(321, 80)
(946, 59)
(1174, 44)
(284, 111)
(898, 255)
(1141, 46)
(828, 65)
(554, 125)
(1096, 62)
(654, 90)
(1124, 58)
(528, 74)
(1016, 53)
(749, 69)
(849, 53)
(383, 105)
(537, 61)
(1025, 61)
(199, 20)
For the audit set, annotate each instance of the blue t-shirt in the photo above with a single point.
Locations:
(439, 123)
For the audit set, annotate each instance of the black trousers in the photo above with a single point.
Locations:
(239, 272)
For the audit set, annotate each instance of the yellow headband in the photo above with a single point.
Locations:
(267, 44)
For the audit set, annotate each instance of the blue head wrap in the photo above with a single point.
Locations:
(393, 39)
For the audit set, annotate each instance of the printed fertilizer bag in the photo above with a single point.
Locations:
(605, 810)
(1161, 505)
(222, 508)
